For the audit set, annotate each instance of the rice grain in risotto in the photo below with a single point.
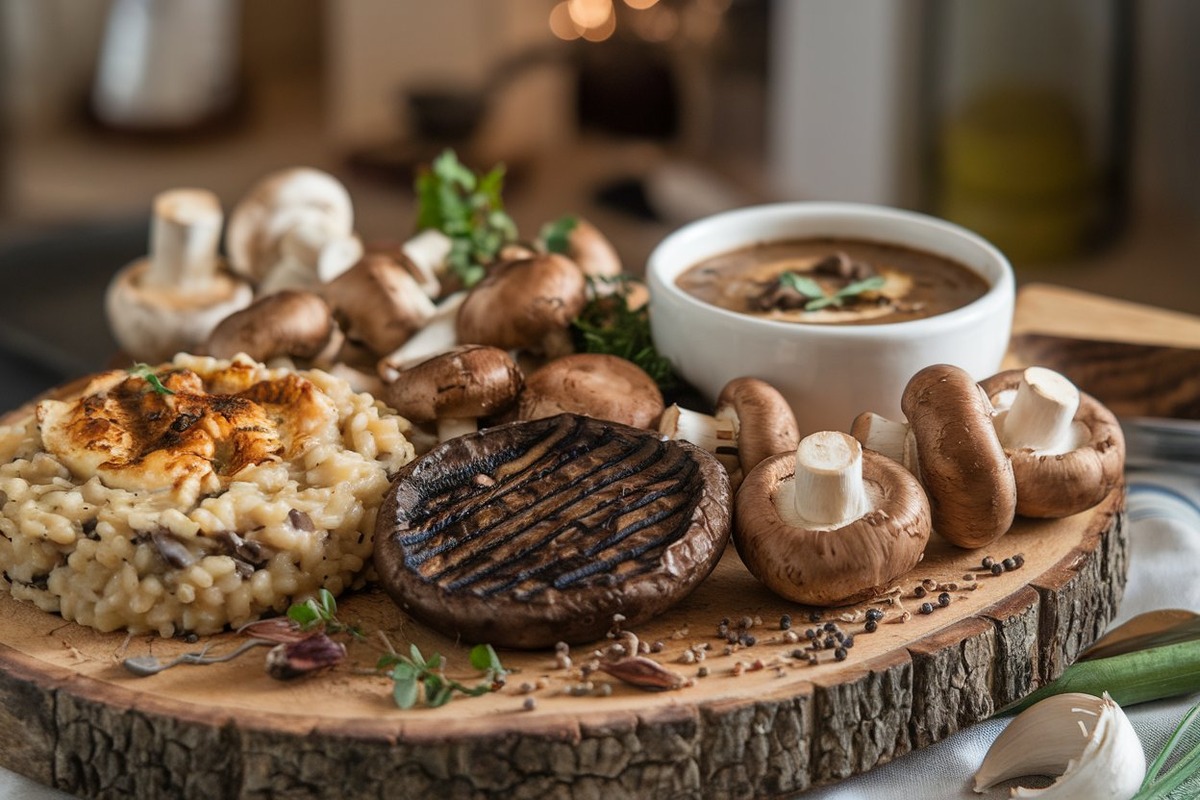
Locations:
(236, 491)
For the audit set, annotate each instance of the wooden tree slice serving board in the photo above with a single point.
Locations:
(72, 717)
(760, 723)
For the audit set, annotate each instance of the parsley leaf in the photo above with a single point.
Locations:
(608, 325)
(468, 209)
(146, 372)
(556, 235)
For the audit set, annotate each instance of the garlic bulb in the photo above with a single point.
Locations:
(1086, 740)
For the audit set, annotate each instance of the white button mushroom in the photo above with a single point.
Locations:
(829, 523)
(300, 197)
(171, 301)
(595, 385)
(1067, 450)
(308, 257)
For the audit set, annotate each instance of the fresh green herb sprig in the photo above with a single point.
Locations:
(146, 372)
(819, 299)
(608, 325)
(321, 612)
(468, 209)
(413, 673)
(556, 235)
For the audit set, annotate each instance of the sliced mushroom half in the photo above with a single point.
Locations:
(830, 524)
(1067, 450)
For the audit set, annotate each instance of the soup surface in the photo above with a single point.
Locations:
(833, 282)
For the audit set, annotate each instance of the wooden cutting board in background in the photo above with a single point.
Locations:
(1138, 360)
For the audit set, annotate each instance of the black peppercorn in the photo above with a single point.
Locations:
(848, 642)
(814, 616)
(988, 561)
(1009, 564)
(997, 569)
(926, 608)
(830, 643)
(919, 591)
(874, 614)
(785, 622)
(871, 626)
(831, 626)
(809, 633)
(1019, 560)
(840, 654)
(799, 653)
(944, 599)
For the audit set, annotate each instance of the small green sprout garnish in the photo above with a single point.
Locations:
(607, 325)
(555, 236)
(321, 612)
(809, 288)
(146, 373)
(468, 209)
(414, 672)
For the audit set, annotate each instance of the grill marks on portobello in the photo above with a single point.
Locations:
(543, 530)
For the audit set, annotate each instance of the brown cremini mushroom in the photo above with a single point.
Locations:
(752, 421)
(299, 197)
(962, 466)
(456, 388)
(170, 301)
(829, 523)
(595, 385)
(527, 304)
(1067, 450)
(287, 324)
(592, 251)
(378, 303)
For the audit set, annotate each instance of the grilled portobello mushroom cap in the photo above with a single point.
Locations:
(531, 533)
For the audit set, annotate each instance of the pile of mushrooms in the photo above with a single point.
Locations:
(300, 289)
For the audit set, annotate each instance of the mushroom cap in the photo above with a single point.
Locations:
(765, 424)
(152, 324)
(276, 204)
(292, 323)
(592, 251)
(1058, 485)
(525, 304)
(963, 467)
(379, 303)
(595, 385)
(469, 381)
(839, 566)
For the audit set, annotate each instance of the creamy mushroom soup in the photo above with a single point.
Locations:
(833, 281)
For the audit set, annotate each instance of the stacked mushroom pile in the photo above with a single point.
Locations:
(300, 289)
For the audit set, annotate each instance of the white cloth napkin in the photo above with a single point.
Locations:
(1164, 518)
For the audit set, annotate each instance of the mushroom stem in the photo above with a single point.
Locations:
(184, 236)
(437, 336)
(828, 489)
(1041, 413)
(716, 434)
(428, 251)
(887, 437)
(325, 255)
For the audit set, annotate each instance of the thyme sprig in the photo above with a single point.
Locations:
(1162, 782)
(146, 372)
(819, 299)
(414, 672)
(608, 325)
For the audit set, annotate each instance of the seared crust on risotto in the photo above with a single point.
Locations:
(226, 494)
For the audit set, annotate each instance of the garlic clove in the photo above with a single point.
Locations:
(1086, 740)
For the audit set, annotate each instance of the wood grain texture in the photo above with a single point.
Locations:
(71, 717)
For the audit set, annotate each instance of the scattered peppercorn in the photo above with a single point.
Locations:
(1009, 564)
(840, 654)
(871, 626)
(809, 633)
(814, 616)
(944, 599)
(799, 653)
(830, 643)
(791, 636)
(839, 636)
(746, 623)
(785, 622)
(1019, 560)
(816, 645)
(926, 608)
(702, 672)
(919, 591)
(657, 647)
(831, 626)
(530, 704)
(748, 640)
(929, 583)
(988, 561)
(874, 614)
(997, 569)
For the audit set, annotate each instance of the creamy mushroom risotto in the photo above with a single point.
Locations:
(201, 496)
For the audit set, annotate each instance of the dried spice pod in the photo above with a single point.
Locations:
(574, 520)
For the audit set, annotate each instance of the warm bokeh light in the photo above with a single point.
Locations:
(658, 24)
(640, 5)
(592, 14)
(561, 24)
(603, 31)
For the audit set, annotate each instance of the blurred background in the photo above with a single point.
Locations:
(1064, 130)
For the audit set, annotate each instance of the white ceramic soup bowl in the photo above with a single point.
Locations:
(828, 373)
